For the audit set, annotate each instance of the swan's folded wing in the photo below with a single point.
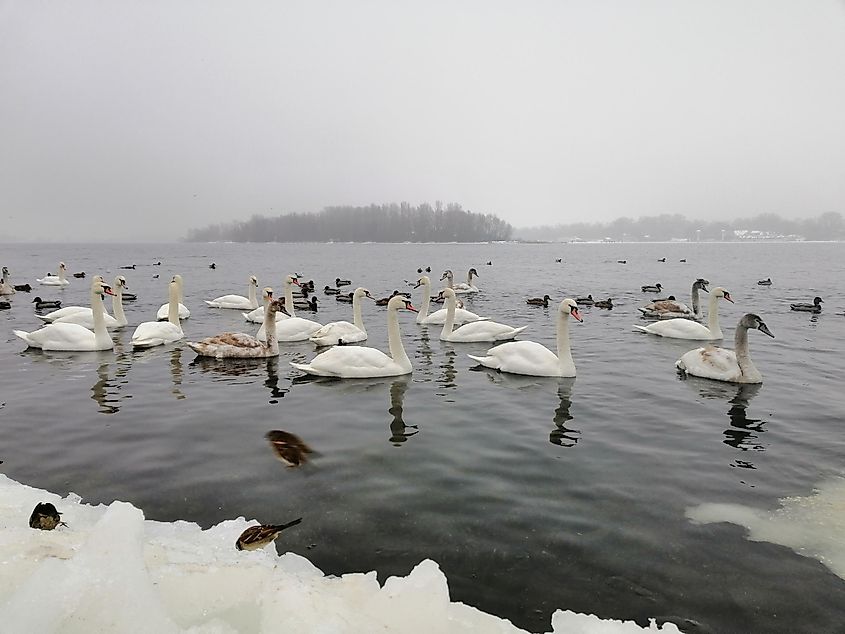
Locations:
(351, 361)
(238, 339)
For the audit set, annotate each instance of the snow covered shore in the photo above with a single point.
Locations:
(110, 570)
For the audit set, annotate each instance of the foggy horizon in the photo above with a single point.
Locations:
(140, 121)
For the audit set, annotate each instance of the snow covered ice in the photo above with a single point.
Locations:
(110, 570)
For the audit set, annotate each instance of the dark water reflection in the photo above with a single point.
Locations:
(533, 386)
(744, 432)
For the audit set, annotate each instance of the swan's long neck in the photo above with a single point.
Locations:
(117, 305)
(696, 301)
(253, 302)
(357, 317)
(101, 335)
(181, 289)
(394, 339)
(425, 303)
(564, 350)
(62, 275)
(743, 357)
(272, 343)
(450, 281)
(289, 299)
(713, 317)
(450, 317)
(469, 277)
(173, 305)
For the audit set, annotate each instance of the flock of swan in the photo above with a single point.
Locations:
(83, 328)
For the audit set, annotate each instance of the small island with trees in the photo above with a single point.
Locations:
(400, 222)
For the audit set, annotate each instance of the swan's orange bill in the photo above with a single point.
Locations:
(574, 312)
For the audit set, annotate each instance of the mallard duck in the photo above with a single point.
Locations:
(652, 288)
(539, 301)
(661, 259)
(79, 275)
(604, 303)
(345, 297)
(339, 282)
(328, 290)
(46, 303)
(26, 288)
(585, 301)
(766, 282)
(384, 300)
(308, 304)
(4, 305)
(815, 307)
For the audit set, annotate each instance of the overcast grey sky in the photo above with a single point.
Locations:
(137, 120)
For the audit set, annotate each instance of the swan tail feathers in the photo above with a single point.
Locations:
(22, 334)
(516, 331)
(194, 346)
(212, 304)
(643, 328)
(488, 362)
(303, 367)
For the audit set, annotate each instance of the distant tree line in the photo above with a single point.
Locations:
(375, 223)
(827, 226)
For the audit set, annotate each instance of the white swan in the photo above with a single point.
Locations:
(475, 330)
(163, 310)
(61, 312)
(295, 328)
(438, 317)
(532, 358)
(5, 287)
(721, 364)
(157, 333)
(55, 280)
(357, 362)
(73, 336)
(460, 288)
(238, 302)
(342, 331)
(85, 316)
(670, 308)
(256, 315)
(237, 345)
(687, 329)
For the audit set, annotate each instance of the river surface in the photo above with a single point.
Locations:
(532, 494)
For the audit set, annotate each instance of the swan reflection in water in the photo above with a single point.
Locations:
(105, 390)
(229, 370)
(176, 373)
(351, 388)
(743, 433)
(561, 434)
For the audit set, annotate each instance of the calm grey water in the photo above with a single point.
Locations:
(532, 494)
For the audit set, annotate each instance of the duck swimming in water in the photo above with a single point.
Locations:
(766, 282)
(539, 301)
(815, 307)
(653, 288)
